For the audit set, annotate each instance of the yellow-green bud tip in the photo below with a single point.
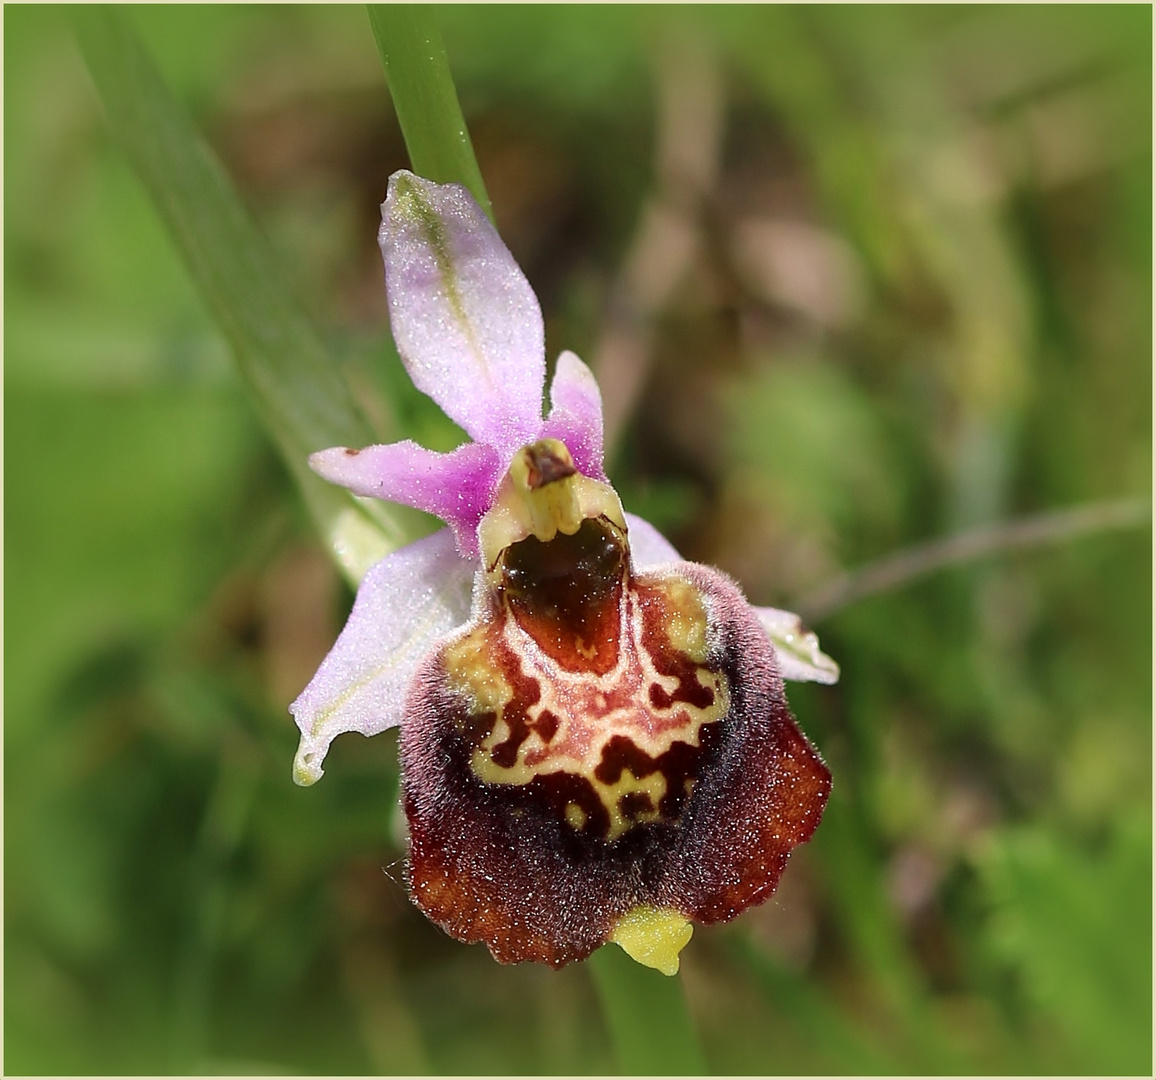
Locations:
(653, 937)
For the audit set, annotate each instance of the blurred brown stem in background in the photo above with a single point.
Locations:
(905, 566)
(689, 136)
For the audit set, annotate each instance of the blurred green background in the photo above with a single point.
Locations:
(853, 278)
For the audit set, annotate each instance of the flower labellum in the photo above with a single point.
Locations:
(595, 742)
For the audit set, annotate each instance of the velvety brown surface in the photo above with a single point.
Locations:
(499, 863)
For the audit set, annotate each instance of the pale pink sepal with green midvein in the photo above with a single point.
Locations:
(406, 604)
(458, 487)
(796, 648)
(464, 318)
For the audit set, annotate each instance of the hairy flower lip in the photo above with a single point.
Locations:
(651, 853)
(511, 882)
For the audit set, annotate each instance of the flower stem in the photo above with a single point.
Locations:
(646, 1012)
(424, 97)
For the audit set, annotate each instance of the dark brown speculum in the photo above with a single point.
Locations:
(567, 593)
(597, 741)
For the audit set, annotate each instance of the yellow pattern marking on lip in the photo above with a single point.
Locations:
(590, 710)
(612, 795)
(469, 672)
(686, 625)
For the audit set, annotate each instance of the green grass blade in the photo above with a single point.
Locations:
(646, 1013)
(297, 389)
(424, 97)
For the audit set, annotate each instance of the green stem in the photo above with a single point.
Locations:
(646, 1012)
(424, 97)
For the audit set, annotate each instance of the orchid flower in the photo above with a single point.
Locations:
(595, 742)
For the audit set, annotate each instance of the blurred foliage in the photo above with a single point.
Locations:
(919, 299)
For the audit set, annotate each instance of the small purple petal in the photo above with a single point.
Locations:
(465, 320)
(406, 604)
(458, 486)
(576, 414)
(648, 547)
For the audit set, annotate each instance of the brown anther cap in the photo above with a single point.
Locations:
(546, 465)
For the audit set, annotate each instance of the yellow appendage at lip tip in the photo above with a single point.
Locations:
(653, 937)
